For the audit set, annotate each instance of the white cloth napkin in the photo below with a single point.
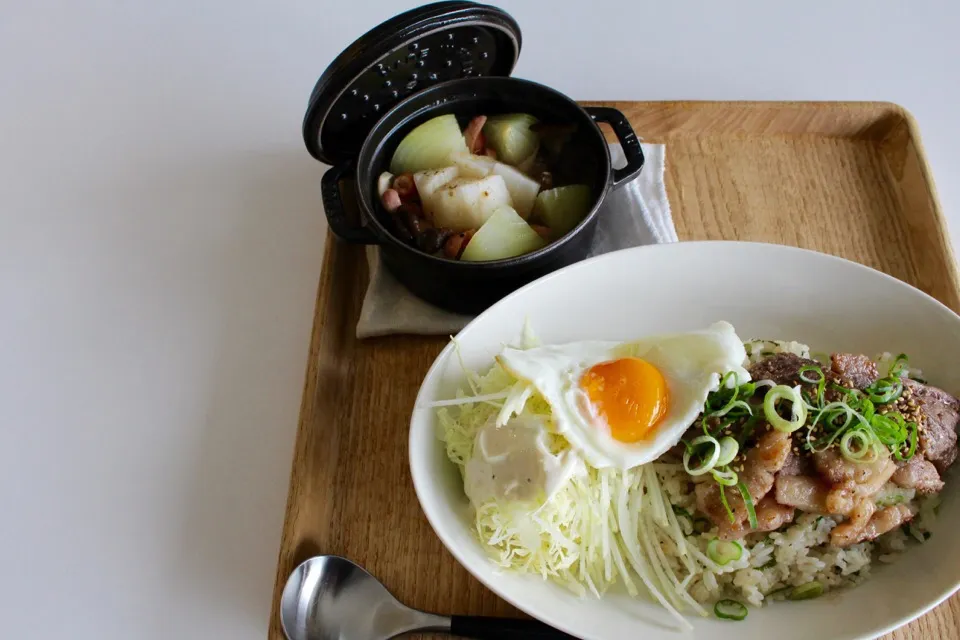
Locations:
(637, 214)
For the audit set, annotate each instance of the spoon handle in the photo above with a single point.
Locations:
(489, 628)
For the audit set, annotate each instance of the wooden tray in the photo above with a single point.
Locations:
(848, 179)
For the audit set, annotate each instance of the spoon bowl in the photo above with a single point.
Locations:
(331, 598)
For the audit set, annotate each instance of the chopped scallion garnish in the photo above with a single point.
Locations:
(726, 505)
(730, 610)
(798, 411)
(725, 477)
(709, 460)
(723, 552)
(728, 451)
(806, 591)
(748, 502)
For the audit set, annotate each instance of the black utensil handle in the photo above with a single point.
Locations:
(627, 138)
(333, 206)
(488, 628)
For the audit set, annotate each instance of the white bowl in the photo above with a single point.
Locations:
(766, 291)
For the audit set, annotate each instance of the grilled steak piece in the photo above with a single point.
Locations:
(938, 429)
(782, 368)
(858, 371)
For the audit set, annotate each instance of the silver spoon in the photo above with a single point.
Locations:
(331, 598)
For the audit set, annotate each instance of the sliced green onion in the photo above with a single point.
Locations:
(730, 380)
(798, 411)
(728, 451)
(748, 502)
(782, 591)
(820, 381)
(806, 591)
(885, 390)
(731, 396)
(829, 415)
(912, 429)
(726, 505)
(810, 369)
(899, 366)
(709, 463)
(733, 404)
(851, 394)
(730, 610)
(747, 431)
(725, 477)
(723, 552)
(890, 429)
(855, 445)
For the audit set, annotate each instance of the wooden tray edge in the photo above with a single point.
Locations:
(332, 247)
(938, 215)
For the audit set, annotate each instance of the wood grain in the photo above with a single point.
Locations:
(848, 179)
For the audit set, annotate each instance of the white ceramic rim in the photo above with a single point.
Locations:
(419, 481)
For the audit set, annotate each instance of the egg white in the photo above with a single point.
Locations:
(691, 363)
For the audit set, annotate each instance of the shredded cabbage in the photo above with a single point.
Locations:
(603, 527)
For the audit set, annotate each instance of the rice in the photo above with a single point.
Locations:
(759, 349)
(774, 563)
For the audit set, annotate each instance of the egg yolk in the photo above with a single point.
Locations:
(629, 394)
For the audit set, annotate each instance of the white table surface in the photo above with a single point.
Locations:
(161, 241)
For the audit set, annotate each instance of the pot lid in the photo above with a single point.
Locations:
(410, 52)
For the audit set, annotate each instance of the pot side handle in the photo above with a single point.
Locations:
(340, 223)
(627, 138)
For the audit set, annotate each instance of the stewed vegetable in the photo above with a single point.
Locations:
(428, 146)
(510, 135)
(484, 193)
(504, 235)
(562, 208)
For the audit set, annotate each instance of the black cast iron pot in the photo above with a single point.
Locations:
(350, 196)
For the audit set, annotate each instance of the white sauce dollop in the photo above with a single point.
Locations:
(514, 463)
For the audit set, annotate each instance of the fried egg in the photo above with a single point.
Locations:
(624, 404)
